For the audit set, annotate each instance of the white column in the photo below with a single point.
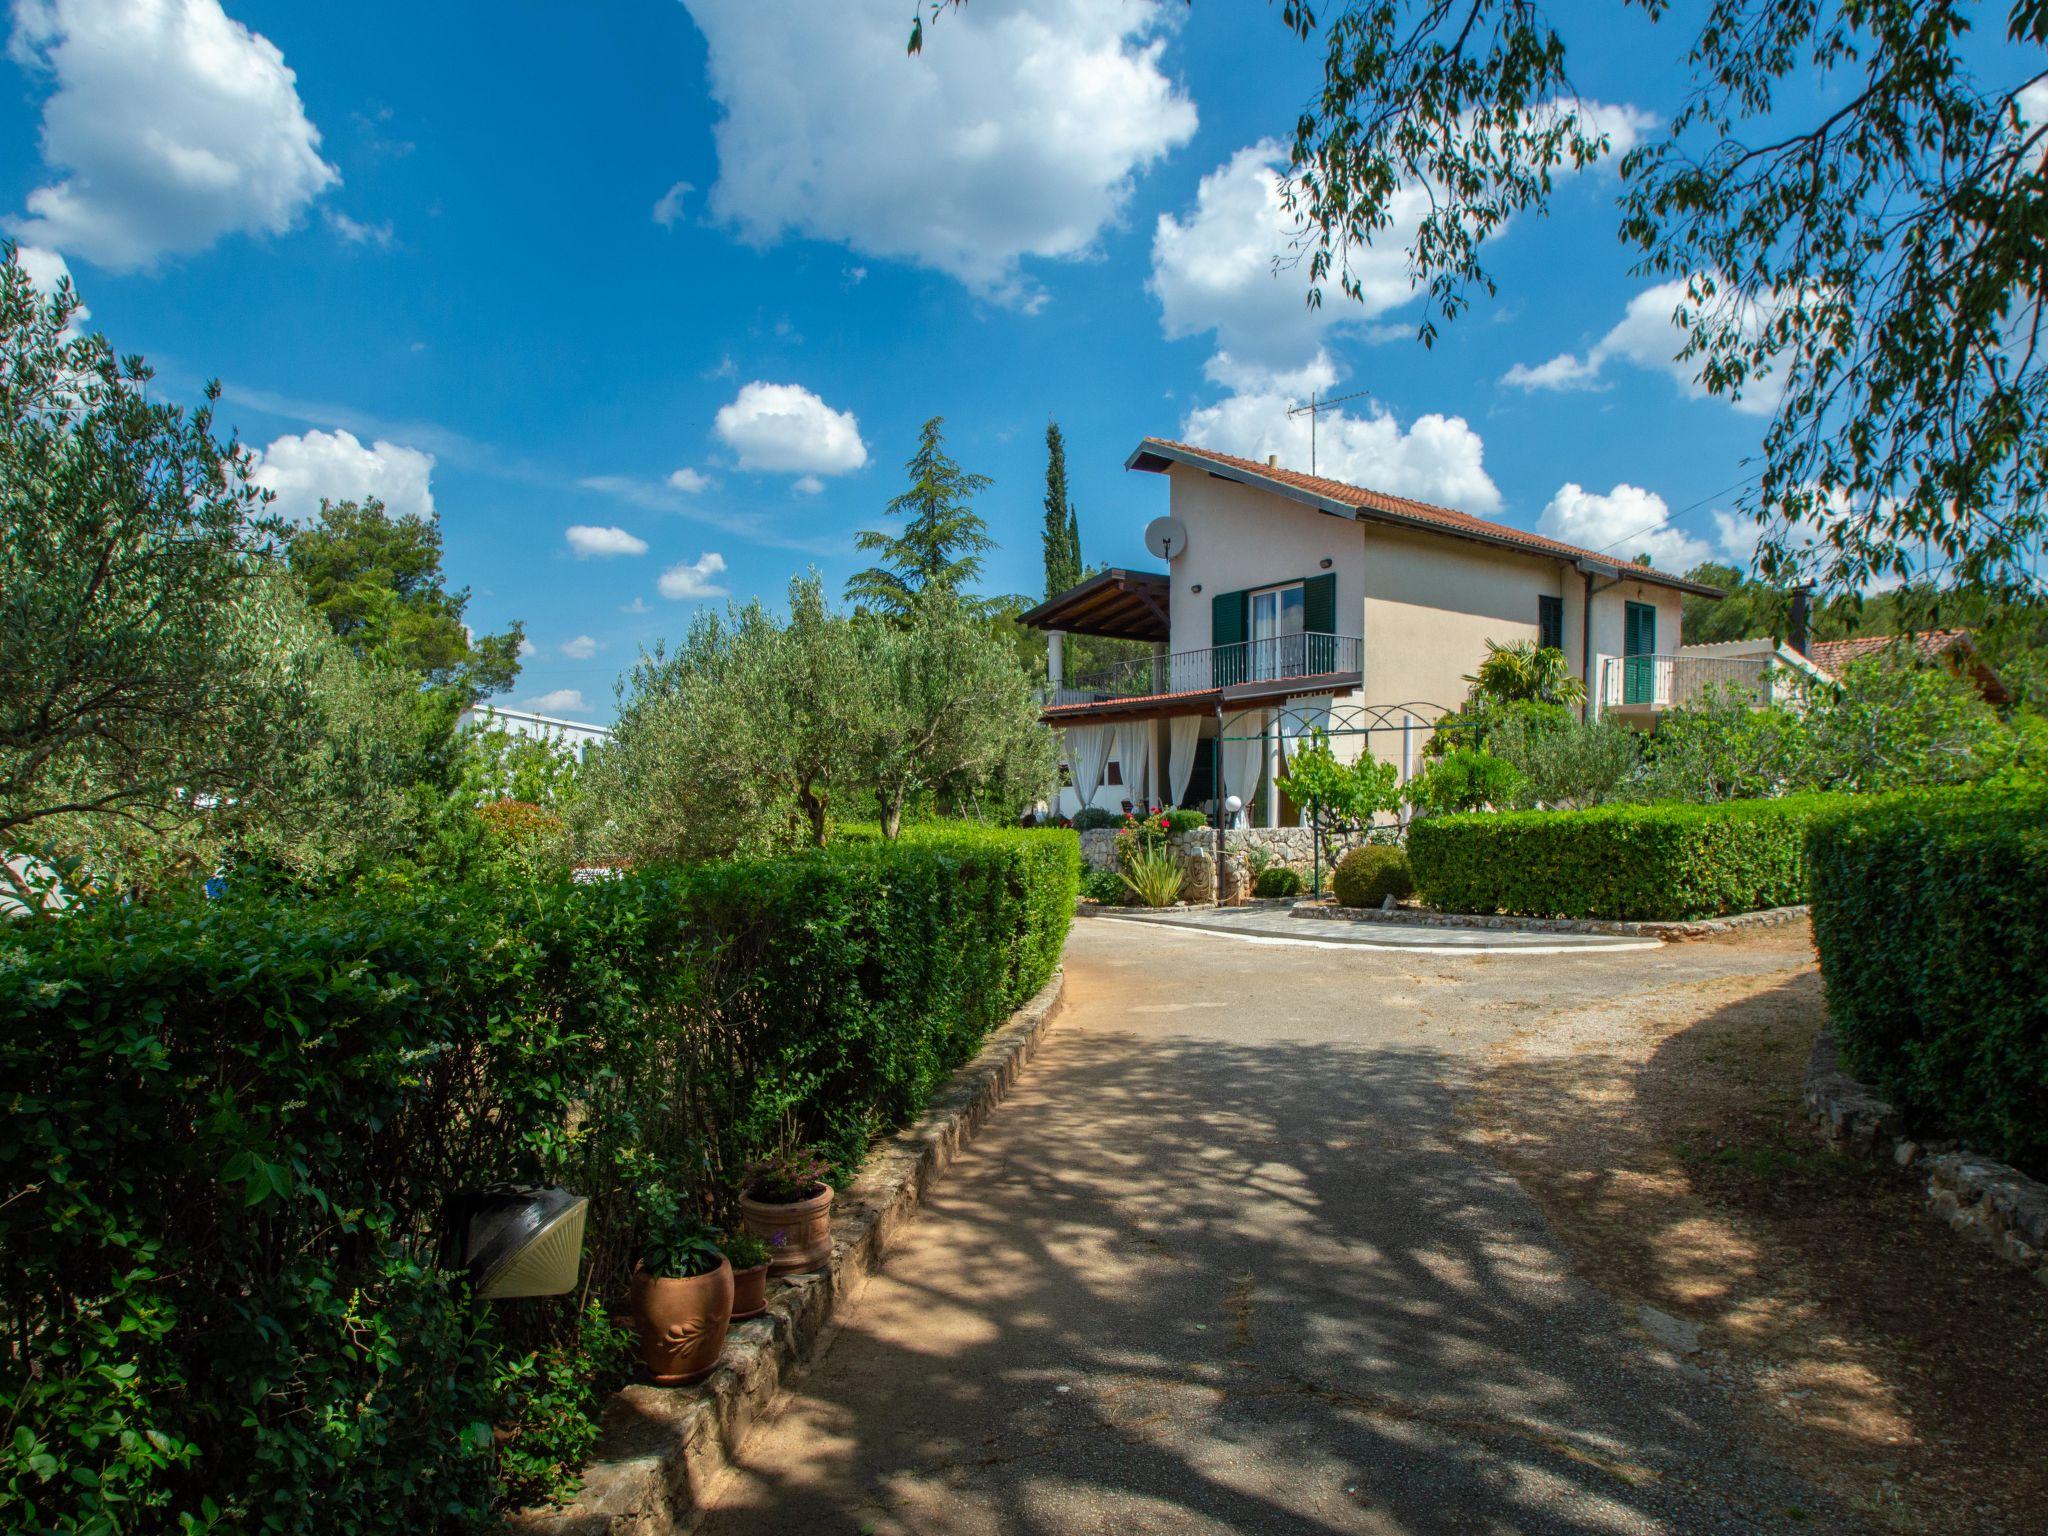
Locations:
(1273, 774)
(1055, 657)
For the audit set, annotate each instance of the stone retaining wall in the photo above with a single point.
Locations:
(1992, 1205)
(662, 1447)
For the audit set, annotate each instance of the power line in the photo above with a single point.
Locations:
(1672, 517)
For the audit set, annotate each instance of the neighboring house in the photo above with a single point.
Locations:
(574, 735)
(1952, 649)
(1290, 600)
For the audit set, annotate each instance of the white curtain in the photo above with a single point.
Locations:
(1300, 716)
(1134, 751)
(1244, 759)
(1088, 755)
(1183, 740)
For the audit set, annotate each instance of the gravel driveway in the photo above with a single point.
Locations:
(1228, 1260)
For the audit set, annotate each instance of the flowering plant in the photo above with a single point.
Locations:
(787, 1175)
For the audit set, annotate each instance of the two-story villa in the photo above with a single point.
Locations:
(1290, 601)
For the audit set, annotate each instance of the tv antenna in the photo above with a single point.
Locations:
(1314, 408)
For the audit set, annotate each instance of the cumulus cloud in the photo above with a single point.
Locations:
(1049, 109)
(668, 208)
(689, 481)
(355, 232)
(170, 126)
(47, 270)
(698, 579)
(786, 429)
(594, 542)
(1624, 522)
(582, 648)
(302, 468)
(1437, 458)
(562, 701)
(527, 649)
(807, 485)
(1646, 336)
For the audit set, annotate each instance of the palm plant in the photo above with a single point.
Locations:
(1525, 671)
(1153, 876)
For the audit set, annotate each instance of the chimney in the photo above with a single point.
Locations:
(1272, 461)
(1802, 602)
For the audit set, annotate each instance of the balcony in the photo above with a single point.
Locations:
(1649, 684)
(1245, 664)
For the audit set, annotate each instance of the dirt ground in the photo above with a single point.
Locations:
(1888, 1360)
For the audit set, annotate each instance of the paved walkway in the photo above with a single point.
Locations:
(1227, 1262)
(1275, 923)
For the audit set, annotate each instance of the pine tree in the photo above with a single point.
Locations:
(940, 548)
(1062, 535)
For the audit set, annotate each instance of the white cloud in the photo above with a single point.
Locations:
(1646, 336)
(1016, 133)
(170, 126)
(357, 233)
(582, 648)
(1438, 458)
(1625, 522)
(46, 269)
(562, 701)
(786, 429)
(698, 579)
(2032, 104)
(638, 605)
(527, 649)
(807, 485)
(668, 208)
(302, 468)
(690, 481)
(592, 542)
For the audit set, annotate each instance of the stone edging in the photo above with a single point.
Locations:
(1422, 917)
(1989, 1203)
(663, 1447)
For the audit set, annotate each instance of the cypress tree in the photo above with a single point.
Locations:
(1061, 538)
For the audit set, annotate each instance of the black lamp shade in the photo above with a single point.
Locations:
(515, 1240)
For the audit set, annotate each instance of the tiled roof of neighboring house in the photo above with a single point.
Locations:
(1420, 514)
(1927, 646)
(1833, 655)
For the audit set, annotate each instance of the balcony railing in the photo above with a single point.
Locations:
(1218, 666)
(1675, 682)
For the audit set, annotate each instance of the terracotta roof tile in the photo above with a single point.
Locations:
(1833, 655)
(1448, 518)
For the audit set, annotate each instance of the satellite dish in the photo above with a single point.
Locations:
(1165, 537)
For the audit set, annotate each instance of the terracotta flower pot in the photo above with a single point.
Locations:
(749, 1292)
(799, 1235)
(681, 1322)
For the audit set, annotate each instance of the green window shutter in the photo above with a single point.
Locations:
(1319, 604)
(1227, 628)
(1550, 622)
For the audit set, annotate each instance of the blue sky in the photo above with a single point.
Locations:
(688, 276)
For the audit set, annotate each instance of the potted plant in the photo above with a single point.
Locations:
(749, 1257)
(787, 1203)
(681, 1293)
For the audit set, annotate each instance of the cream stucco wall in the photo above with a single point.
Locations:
(1610, 608)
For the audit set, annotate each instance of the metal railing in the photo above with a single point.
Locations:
(1675, 682)
(1216, 666)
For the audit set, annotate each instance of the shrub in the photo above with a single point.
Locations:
(1092, 818)
(1648, 862)
(1464, 779)
(1105, 886)
(1368, 875)
(1930, 912)
(227, 1130)
(1277, 880)
(1178, 822)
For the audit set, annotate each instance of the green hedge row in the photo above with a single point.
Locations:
(226, 1132)
(1930, 912)
(1628, 862)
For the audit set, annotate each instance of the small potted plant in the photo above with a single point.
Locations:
(749, 1257)
(681, 1293)
(787, 1203)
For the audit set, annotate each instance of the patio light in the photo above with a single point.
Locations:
(515, 1240)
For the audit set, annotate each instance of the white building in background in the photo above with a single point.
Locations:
(571, 735)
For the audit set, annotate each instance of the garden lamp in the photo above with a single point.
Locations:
(1231, 806)
(515, 1240)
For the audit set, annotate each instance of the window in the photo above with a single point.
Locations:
(1550, 622)
(1114, 774)
(1278, 617)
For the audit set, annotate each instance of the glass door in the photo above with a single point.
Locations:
(1277, 615)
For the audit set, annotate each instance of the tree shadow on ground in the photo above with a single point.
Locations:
(1871, 1347)
(1194, 1284)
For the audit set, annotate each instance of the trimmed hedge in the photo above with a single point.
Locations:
(1626, 862)
(1369, 874)
(226, 1131)
(1277, 880)
(1930, 912)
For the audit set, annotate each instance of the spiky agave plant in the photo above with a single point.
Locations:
(1153, 876)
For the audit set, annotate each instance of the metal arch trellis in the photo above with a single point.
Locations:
(1410, 720)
